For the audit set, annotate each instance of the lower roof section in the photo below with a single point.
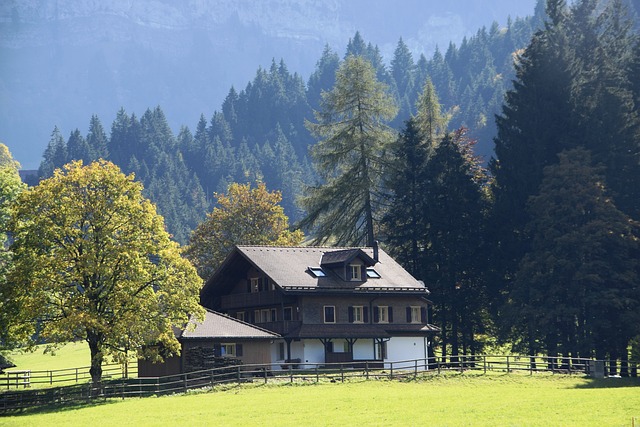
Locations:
(355, 331)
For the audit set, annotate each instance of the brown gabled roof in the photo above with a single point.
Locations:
(288, 268)
(218, 325)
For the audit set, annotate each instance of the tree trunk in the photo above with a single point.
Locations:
(443, 334)
(95, 345)
(624, 363)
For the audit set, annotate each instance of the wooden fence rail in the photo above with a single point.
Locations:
(299, 372)
(26, 378)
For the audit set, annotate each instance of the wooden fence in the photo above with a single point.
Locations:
(25, 378)
(300, 372)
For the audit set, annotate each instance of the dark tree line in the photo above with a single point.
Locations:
(564, 267)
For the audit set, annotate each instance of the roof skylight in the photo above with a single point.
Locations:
(372, 274)
(317, 272)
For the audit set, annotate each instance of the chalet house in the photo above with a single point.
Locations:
(327, 304)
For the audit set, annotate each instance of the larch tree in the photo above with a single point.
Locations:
(93, 262)
(244, 216)
(350, 156)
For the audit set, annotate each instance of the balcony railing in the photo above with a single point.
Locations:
(281, 327)
(254, 299)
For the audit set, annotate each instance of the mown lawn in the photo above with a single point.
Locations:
(467, 399)
(71, 355)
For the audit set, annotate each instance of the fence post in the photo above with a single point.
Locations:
(415, 369)
(265, 374)
(290, 373)
(184, 381)
(76, 375)
(317, 375)
(366, 368)
(484, 363)
(238, 373)
(390, 370)
(50, 377)
(508, 370)
(342, 372)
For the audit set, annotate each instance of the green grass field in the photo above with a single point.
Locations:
(467, 399)
(71, 355)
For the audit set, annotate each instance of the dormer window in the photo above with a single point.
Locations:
(317, 272)
(355, 272)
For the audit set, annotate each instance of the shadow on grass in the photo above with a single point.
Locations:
(610, 382)
(47, 409)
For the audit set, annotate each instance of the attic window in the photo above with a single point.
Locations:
(372, 274)
(317, 272)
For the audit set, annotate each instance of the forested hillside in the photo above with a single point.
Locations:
(259, 133)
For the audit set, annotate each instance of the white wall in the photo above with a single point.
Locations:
(363, 350)
(313, 352)
(405, 348)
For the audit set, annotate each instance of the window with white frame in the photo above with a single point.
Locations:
(381, 350)
(227, 349)
(355, 272)
(357, 314)
(329, 314)
(383, 314)
(415, 314)
(255, 283)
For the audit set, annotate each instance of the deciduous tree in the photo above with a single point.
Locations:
(244, 216)
(93, 262)
(10, 187)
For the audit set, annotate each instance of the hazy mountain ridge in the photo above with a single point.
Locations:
(65, 60)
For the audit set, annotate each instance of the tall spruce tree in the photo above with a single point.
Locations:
(403, 222)
(353, 133)
(454, 212)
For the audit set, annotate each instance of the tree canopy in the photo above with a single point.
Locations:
(244, 216)
(93, 262)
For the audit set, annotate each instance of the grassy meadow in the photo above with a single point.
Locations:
(70, 355)
(453, 399)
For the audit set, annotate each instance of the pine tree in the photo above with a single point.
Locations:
(403, 222)
(55, 155)
(78, 148)
(349, 156)
(97, 139)
(454, 211)
(323, 78)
